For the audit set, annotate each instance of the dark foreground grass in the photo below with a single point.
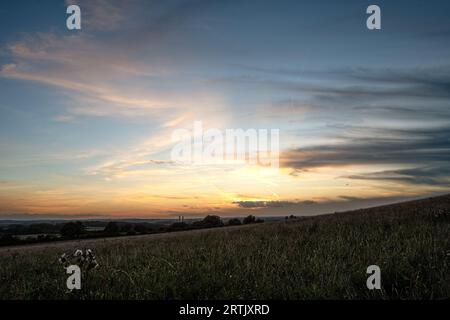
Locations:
(316, 258)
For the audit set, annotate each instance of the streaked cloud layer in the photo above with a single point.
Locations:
(87, 116)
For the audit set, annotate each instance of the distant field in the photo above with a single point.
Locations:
(322, 257)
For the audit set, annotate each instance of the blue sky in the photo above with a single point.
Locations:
(86, 116)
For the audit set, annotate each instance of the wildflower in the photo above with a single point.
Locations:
(82, 259)
(63, 259)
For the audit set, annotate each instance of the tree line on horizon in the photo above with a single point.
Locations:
(47, 232)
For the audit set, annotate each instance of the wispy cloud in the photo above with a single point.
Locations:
(87, 70)
(425, 149)
(376, 146)
(104, 15)
(113, 92)
(435, 176)
(272, 204)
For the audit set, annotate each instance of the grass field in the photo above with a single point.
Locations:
(322, 257)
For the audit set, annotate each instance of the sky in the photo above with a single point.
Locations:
(87, 116)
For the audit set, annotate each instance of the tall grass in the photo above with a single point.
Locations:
(315, 258)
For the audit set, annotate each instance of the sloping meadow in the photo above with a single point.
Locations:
(323, 257)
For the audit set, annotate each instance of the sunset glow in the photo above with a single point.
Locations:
(86, 117)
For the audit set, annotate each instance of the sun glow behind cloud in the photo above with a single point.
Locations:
(88, 119)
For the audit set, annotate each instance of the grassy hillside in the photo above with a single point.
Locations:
(312, 258)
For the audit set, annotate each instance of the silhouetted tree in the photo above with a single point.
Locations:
(209, 221)
(7, 239)
(72, 230)
(249, 219)
(177, 226)
(112, 228)
(127, 227)
(234, 222)
(140, 228)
